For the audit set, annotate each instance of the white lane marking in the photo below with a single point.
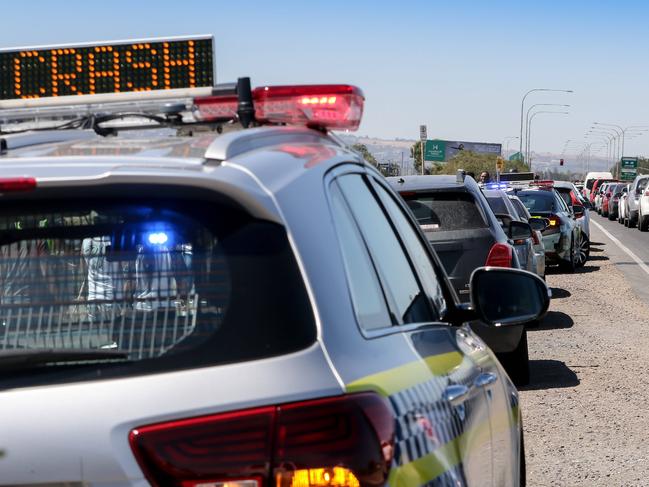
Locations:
(642, 265)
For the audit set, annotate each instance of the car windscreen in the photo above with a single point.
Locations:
(445, 211)
(197, 282)
(537, 201)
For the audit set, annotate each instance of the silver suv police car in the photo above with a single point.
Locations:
(200, 304)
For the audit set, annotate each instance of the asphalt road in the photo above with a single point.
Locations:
(586, 409)
(628, 249)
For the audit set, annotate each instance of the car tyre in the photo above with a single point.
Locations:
(643, 222)
(517, 362)
(583, 250)
(611, 216)
(569, 265)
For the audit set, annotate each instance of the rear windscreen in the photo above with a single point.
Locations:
(446, 211)
(200, 281)
(537, 201)
(498, 205)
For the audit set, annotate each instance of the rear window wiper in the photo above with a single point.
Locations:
(26, 358)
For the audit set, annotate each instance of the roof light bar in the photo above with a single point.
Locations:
(16, 185)
(320, 106)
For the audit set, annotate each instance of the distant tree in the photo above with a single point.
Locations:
(415, 153)
(476, 163)
(367, 155)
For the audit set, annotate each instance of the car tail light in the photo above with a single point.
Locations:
(554, 221)
(500, 255)
(344, 441)
(322, 106)
(14, 185)
(646, 192)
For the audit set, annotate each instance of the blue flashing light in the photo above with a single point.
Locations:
(157, 238)
(497, 186)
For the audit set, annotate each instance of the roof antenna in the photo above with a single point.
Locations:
(245, 110)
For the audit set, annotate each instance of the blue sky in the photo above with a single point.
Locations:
(460, 67)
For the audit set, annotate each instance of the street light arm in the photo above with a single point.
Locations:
(523, 108)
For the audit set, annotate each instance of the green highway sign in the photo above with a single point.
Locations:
(629, 162)
(628, 175)
(516, 156)
(435, 151)
(628, 168)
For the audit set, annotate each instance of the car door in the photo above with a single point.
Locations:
(443, 423)
(499, 400)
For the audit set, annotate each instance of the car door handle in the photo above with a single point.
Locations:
(485, 379)
(456, 394)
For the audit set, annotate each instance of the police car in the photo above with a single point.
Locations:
(202, 286)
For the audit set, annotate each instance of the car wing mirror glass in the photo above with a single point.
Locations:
(578, 210)
(519, 231)
(539, 224)
(508, 296)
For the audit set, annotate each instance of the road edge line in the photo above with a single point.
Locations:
(637, 259)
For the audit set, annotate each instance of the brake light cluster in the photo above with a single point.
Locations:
(500, 255)
(323, 106)
(344, 441)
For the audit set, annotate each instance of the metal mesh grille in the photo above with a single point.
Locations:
(128, 284)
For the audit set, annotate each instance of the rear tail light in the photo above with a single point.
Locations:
(646, 192)
(323, 106)
(14, 185)
(555, 222)
(344, 441)
(500, 255)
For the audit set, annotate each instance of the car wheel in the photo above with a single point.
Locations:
(517, 362)
(583, 250)
(643, 223)
(569, 265)
(611, 216)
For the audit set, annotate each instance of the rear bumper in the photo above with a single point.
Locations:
(557, 248)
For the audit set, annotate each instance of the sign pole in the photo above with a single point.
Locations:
(423, 135)
(423, 148)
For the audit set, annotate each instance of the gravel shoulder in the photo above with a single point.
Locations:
(586, 410)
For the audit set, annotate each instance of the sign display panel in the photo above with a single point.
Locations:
(119, 67)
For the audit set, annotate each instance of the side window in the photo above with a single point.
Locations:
(560, 204)
(366, 293)
(417, 250)
(407, 300)
(642, 183)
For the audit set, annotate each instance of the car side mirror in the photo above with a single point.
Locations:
(503, 296)
(539, 224)
(519, 231)
(618, 194)
(625, 190)
(578, 210)
(504, 219)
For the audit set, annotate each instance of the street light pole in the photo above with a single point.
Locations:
(529, 133)
(520, 149)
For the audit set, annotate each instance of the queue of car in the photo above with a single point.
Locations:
(207, 287)
(626, 202)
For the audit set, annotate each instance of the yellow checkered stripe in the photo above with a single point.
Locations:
(430, 433)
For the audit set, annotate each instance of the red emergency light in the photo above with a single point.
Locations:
(543, 183)
(337, 107)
